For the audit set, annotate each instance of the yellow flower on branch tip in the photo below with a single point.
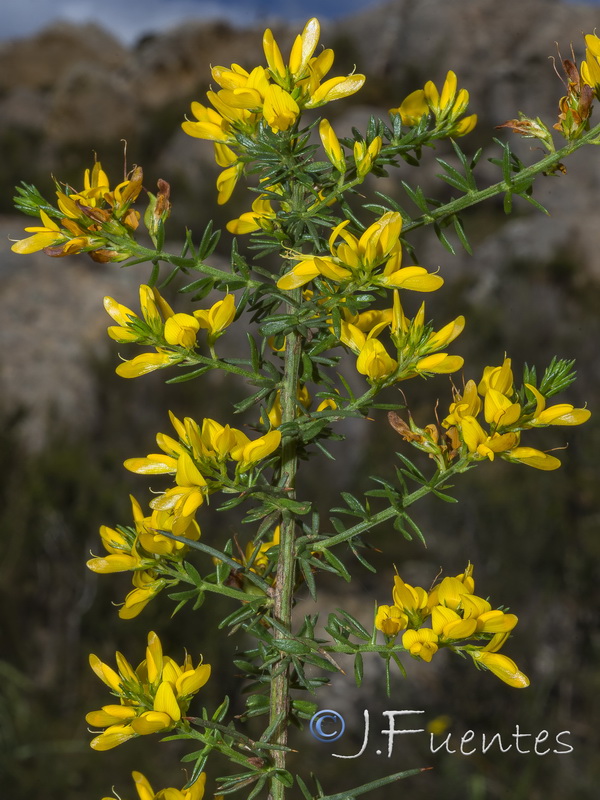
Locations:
(560, 414)
(533, 458)
(48, 234)
(181, 329)
(502, 667)
(446, 107)
(422, 643)
(155, 696)
(145, 363)
(413, 108)
(482, 444)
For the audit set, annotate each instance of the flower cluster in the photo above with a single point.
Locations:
(152, 698)
(173, 335)
(145, 792)
(89, 219)
(506, 415)
(417, 345)
(198, 461)
(372, 260)
(446, 107)
(273, 95)
(455, 615)
(144, 551)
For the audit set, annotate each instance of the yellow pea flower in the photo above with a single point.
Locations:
(181, 329)
(332, 146)
(154, 697)
(440, 363)
(533, 458)
(501, 666)
(247, 453)
(421, 644)
(249, 221)
(560, 414)
(590, 68)
(145, 791)
(48, 234)
(145, 363)
(499, 410)
(217, 318)
(364, 155)
(375, 362)
(449, 625)
(390, 620)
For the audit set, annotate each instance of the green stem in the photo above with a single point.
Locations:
(183, 262)
(382, 516)
(520, 179)
(285, 575)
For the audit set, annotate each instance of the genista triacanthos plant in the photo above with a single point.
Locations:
(343, 281)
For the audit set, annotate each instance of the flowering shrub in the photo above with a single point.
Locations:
(340, 286)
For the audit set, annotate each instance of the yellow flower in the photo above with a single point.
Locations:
(448, 624)
(560, 414)
(248, 452)
(217, 318)
(332, 146)
(375, 362)
(254, 220)
(466, 405)
(421, 644)
(499, 378)
(390, 620)
(364, 156)
(446, 107)
(356, 259)
(533, 458)
(501, 666)
(145, 363)
(153, 697)
(439, 363)
(590, 68)
(145, 791)
(47, 235)
(181, 329)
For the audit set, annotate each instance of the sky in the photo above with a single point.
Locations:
(130, 19)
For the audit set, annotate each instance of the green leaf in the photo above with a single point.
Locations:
(369, 787)
(358, 669)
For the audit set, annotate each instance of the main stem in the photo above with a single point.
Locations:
(285, 577)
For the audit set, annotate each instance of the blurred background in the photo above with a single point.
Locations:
(78, 78)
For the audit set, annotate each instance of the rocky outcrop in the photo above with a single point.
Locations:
(71, 91)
